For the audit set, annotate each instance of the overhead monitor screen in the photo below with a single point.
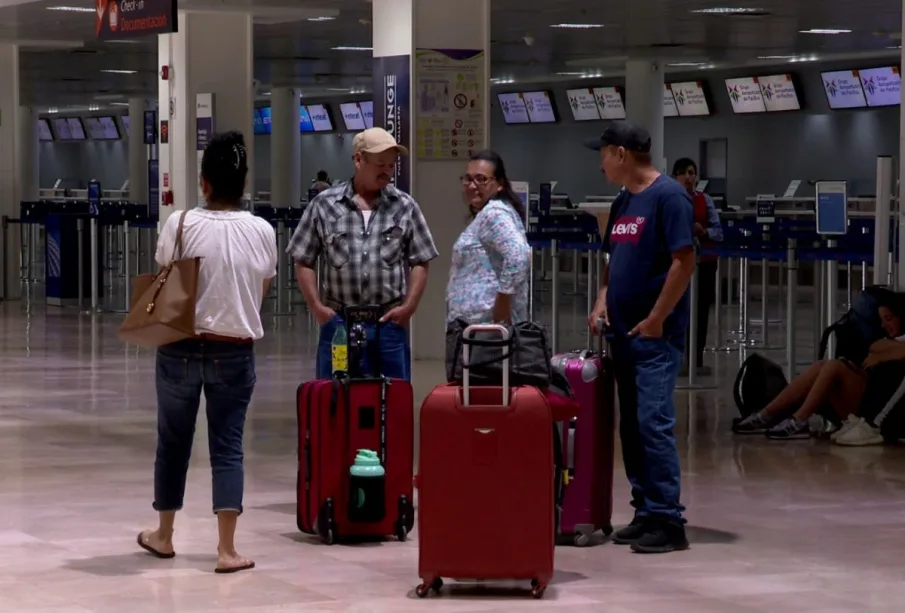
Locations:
(109, 129)
(882, 86)
(583, 104)
(305, 124)
(126, 125)
(258, 122)
(61, 127)
(745, 95)
(513, 107)
(352, 116)
(690, 99)
(609, 103)
(265, 112)
(843, 89)
(320, 118)
(44, 133)
(540, 107)
(669, 102)
(779, 93)
(76, 128)
(95, 131)
(367, 112)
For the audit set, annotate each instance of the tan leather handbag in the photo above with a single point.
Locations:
(163, 304)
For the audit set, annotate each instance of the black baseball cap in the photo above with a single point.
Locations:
(625, 134)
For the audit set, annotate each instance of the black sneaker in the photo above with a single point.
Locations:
(631, 532)
(790, 429)
(662, 537)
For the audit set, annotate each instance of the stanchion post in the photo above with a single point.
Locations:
(5, 255)
(692, 360)
(127, 262)
(764, 322)
(282, 268)
(80, 235)
(718, 308)
(819, 312)
(592, 292)
(744, 298)
(832, 284)
(791, 290)
(848, 285)
(554, 318)
(92, 259)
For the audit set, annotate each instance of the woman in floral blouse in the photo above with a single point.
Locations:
(488, 278)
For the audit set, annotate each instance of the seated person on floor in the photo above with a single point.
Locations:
(839, 383)
(880, 415)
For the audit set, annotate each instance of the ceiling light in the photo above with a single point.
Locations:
(345, 48)
(571, 74)
(689, 64)
(577, 26)
(502, 80)
(824, 31)
(726, 10)
(895, 47)
(321, 18)
(53, 111)
(111, 71)
(71, 9)
(93, 107)
(777, 57)
(119, 104)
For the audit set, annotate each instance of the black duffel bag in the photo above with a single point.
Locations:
(527, 350)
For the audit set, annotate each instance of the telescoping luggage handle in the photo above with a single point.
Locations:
(603, 346)
(468, 334)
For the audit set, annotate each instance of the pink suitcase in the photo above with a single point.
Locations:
(587, 447)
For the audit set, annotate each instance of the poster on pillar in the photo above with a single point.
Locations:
(450, 96)
(392, 107)
(125, 19)
(204, 132)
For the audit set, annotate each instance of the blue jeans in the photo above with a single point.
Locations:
(225, 372)
(394, 351)
(646, 371)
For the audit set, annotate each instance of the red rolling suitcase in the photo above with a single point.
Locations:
(485, 483)
(587, 447)
(337, 418)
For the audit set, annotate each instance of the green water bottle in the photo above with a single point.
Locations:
(366, 502)
(340, 349)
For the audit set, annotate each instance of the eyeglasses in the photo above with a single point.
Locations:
(478, 180)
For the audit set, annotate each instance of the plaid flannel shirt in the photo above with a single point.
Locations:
(364, 265)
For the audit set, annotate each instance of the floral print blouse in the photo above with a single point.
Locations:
(491, 256)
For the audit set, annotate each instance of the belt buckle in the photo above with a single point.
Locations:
(362, 314)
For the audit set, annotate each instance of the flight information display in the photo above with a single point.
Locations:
(882, 86)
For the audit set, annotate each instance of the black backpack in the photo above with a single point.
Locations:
(757, 383)
(859, 328)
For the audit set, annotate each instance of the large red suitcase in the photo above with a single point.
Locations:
(587, 447)
(485, 484)
(336, 418)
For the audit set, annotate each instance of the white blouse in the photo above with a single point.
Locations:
(238, 254)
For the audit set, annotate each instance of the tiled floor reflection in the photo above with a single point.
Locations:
(775, 527)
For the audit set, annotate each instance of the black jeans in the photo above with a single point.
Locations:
(706, 299)
(225, 372)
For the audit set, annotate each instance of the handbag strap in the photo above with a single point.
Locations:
(177, 246)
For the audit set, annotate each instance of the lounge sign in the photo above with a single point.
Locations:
(123, 19)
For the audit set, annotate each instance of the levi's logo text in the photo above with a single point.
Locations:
(627, 230)
(122, 19)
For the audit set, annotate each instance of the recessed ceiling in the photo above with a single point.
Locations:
(295, 41)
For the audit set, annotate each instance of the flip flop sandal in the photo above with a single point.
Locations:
(152, 551)
(227, 571)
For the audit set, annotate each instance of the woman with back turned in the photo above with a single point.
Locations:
(238, 259)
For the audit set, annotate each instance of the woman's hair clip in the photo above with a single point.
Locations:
(239, 152)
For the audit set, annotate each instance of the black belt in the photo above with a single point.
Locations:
(340, 307)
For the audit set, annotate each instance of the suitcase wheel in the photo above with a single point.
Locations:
(324, 522)
(425, 588)
(537, 589)
(406, 518)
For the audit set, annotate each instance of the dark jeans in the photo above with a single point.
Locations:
(225, 372)
(706, 299)
(395, 360)
(646, 371)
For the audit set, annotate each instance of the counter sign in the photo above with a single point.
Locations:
(124, 19)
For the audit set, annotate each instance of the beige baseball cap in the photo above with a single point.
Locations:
(376, 140)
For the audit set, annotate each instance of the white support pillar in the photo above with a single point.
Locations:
(10, 135)
(138, 152)
(200, 62)
(285, 147)
(27, 156)
(439, 53)
(644, 103)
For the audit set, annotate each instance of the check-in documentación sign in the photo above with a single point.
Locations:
(123, 19)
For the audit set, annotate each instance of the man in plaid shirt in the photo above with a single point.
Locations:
(368, 232)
